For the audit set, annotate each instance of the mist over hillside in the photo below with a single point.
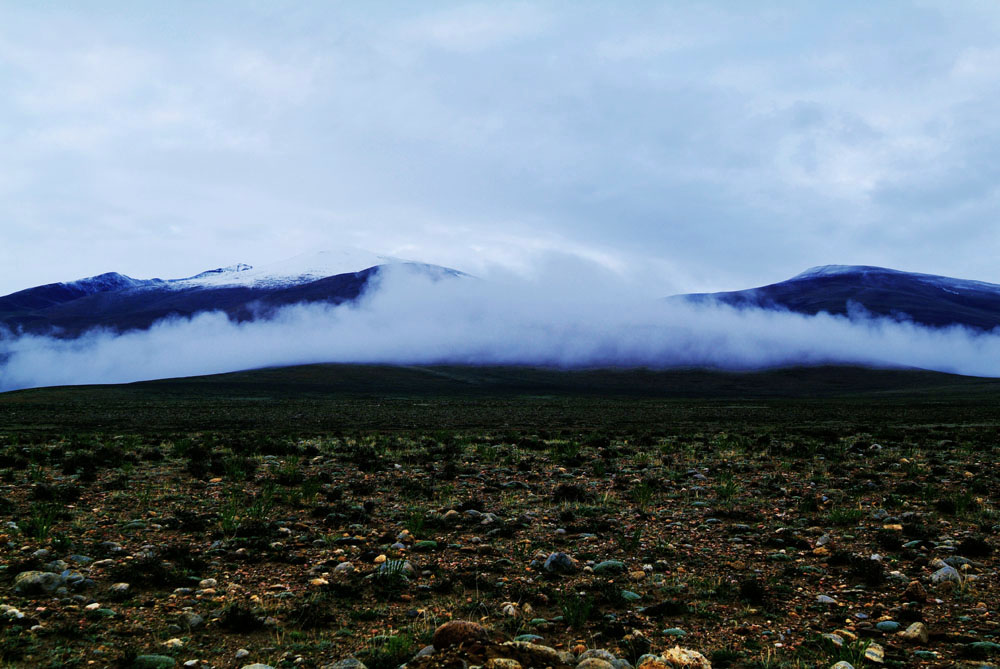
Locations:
(577, 319)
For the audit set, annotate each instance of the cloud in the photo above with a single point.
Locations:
(733, 144)
(567, 318)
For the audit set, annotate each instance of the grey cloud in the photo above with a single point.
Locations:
(732, 144)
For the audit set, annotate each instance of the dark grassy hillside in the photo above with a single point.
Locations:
(301, 400)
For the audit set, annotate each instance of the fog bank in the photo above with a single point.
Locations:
(569, 322)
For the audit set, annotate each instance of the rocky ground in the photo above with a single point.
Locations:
(586, 549)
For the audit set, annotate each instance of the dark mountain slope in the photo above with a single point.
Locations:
(119, 303)
(922, 298)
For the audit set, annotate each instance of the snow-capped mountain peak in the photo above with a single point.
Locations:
(104, 282)
(945, 283)
(220, 271)
(841, 270)
(300, 269)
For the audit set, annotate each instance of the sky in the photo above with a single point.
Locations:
(689, 146)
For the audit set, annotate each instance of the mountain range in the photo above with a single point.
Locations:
(120, 303)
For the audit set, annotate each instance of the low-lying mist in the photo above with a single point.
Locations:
(563, 320)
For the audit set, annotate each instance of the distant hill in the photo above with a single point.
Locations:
(120, 303)
(854, 290)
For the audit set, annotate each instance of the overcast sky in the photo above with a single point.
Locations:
(699, 146)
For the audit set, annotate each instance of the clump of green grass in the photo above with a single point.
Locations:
(576, 609)
(727, 490)
(958, 504)
(388, 651)
(642, 494)
(41, 518)
(845, 516)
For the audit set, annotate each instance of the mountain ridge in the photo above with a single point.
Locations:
(121, 303)
(849, 290)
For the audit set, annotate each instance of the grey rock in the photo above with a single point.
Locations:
(559, 563)
(609, 567)
(425, 651)
(916, 633)
(945, 574)
(594, 663)
(347, 663)
(598, 653)
(37, 582)
(153, 662)
(189, 620)
(119, 590)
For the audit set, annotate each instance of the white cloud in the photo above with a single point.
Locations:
(476, 27)
(725, 146)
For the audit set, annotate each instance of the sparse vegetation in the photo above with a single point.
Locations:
(319, 529)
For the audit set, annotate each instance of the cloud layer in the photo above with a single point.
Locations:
(582, 321)
(720, 144)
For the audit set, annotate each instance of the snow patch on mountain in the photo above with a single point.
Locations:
(294, 271)
(842, 270)
(945, 283)
(108, 281)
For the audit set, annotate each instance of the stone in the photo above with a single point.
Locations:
(842, 665)
(888, 626)
(983, 649)
(915, 592)
(825, 599)
(173, 643)
(652, 662)
(458, 632)
(916, 633)
(256, 665)
(674, 631)
(190, 621)
(502, 663)
(425, 545)
(684, 657)
(946, 574)
(119, 590)
(153, 662)
(594, 663)
(609, 567)
(532, 654)
(559, 563)
(875, 653)
(347, 663)
(37, 582)
(597, 653)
